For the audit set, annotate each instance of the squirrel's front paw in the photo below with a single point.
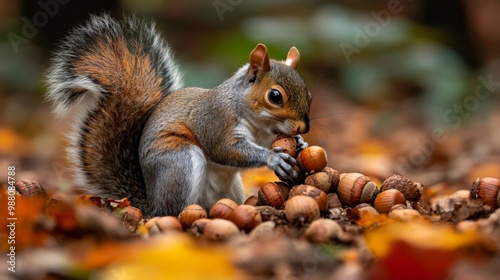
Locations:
(283, 164)
(301, 144)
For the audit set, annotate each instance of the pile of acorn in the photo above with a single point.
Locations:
(303, 203)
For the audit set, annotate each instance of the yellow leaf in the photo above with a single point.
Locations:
(421, 235)
(174, 257)
(258, 177)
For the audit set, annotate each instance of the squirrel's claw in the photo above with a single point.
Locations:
(283, 164)
(301, 144)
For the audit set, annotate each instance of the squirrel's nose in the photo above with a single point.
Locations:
(303, 126)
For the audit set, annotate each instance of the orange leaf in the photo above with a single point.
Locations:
(27, 213)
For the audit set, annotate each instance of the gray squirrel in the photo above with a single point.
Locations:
(138, 133)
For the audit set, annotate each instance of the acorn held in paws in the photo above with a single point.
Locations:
(289, 144)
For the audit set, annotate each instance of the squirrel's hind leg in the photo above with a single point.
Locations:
(170, 177)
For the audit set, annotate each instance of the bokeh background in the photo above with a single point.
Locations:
(403, 86)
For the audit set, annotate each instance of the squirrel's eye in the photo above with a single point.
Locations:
(275, 97)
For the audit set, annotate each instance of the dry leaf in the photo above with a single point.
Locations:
(173, 257)
(418, 250)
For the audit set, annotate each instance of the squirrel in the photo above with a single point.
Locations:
(137, 133)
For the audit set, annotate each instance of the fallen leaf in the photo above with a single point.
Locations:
(25, 215)
(420, 234)
(173, 257)
(12, 143)
(418, 250)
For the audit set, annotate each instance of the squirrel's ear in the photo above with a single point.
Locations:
(293, 58)
(259, 61)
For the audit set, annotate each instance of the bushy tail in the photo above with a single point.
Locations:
(109, 75)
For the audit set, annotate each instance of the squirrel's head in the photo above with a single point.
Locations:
(278, 95)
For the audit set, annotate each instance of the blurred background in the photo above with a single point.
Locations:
(408, 87)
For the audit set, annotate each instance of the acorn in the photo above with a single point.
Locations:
(222, 209)
(333, 201)
(288, 143)
(486, 190)
(252, 200)
(151, 223)
(312, 159)
(399, 207)
(30, 189)
(301, 209)
(264, 229)
(403, 214)
(412, 191)
(131, 217)
(385, 200)
(356, 188)
(163, 224)
(273, 194)
(323, 231)
(220, 230)
(198, 226)
(190, 214)
(334, 176)
(320, 180)
(364, 211)
(246, 217)
(318, 195)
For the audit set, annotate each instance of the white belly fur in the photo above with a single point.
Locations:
(211, 182)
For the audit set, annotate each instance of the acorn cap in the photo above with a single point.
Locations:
(412, 191)
(335, 177)
(30, 189)
(320, 180)
(318, 195)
